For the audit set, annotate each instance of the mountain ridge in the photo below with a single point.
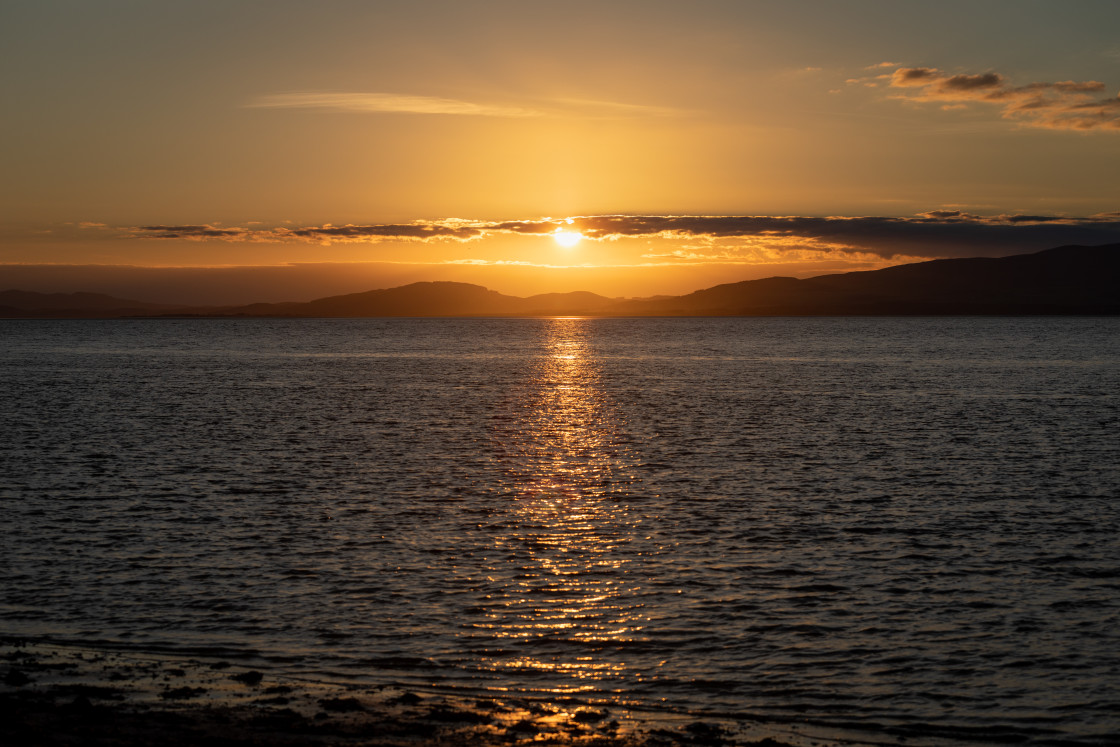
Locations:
(1070, 279)
(79, 304)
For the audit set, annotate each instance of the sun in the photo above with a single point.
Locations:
(567, 239)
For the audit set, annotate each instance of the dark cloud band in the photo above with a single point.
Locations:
(937, 233)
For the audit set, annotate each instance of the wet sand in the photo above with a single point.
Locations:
(53, 694)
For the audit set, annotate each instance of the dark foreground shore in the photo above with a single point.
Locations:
(63, 695)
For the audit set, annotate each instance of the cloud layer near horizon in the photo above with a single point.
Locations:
(939, 233)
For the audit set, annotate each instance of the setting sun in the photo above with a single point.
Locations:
(567, 239)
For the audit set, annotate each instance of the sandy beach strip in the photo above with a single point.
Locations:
(60, 694)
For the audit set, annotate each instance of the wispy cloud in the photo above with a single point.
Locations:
(387, 103)
(936, 233)
(393, 103)
(326, 233)
(190, 232)
(1064, 105)
(597, 107)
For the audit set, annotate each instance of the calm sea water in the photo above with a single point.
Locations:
(879, 522)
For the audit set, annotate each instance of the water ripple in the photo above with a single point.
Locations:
(907, 525)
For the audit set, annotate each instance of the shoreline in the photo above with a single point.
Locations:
(62, 694)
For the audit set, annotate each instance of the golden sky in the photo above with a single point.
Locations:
(377, 143)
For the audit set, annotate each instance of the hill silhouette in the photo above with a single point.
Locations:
(19, 303)
(437, 298)
(416, 299)
(1064, 280)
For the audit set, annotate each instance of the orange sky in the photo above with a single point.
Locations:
(431, 140)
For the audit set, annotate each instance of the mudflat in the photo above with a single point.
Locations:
(63, 695)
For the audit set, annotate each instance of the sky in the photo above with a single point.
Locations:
(261, 151)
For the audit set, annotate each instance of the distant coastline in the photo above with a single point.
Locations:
(1068, 280)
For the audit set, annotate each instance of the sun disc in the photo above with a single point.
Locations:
(567, 239)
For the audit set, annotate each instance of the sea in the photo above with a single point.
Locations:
(902, 526)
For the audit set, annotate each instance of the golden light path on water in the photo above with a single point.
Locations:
(565, 601)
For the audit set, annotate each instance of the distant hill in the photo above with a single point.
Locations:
(417, 299)
(435, 299)
(1065, 280)
(574, 303)
(18, 303)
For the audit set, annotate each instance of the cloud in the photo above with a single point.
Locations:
(386, 103)
(327, 233)
(594, 107)
(1064, 105)
(423, 231)
(936, 233)
(191, 232)
(389, 103)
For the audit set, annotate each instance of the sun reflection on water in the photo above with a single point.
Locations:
(564, 599)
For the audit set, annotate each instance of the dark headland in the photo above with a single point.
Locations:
(1064, 280)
